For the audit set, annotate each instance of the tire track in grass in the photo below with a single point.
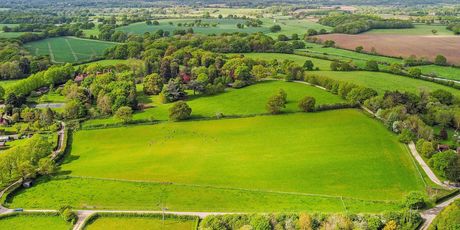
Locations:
(235, 189)
(50, 50)
(71, 50)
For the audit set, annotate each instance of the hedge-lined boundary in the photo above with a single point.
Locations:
(14, 214)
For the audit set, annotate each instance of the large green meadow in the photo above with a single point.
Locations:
(250, 100)
(68, 49)
(327, 161)
(419, 29)
(451, 73)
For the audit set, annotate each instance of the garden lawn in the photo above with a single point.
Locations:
(68, 49)
(386, 82)
(245, 101)
(33, 222)
(451, 73)
(300, 60)
(135, 223)
(330, 161)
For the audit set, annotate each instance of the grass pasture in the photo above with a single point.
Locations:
(300, 60)
(419, 29)
(134, 223)
(222, 26)
(385, 81)
(234, 102)
(68, 49)
(244, 164)
(33, 222)
(446, 72)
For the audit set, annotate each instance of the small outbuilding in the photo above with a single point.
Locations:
(27, 183)
(442, 148)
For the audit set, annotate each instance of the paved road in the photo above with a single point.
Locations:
(425, 167)
(431, 213)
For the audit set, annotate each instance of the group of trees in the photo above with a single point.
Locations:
(28, 120)
(354, 23)
(26, 160)
(304, 221)
(16, 62)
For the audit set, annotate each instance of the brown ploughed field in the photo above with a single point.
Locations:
(401, 45)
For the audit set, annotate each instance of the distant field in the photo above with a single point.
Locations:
(33, 222)
(293, 26)
(222, 26)
(384, 81)
(321, 63)
(401, 45)
(68, 49)
(419, 29)
(112, 62)
(245, 164)
(451, 73)
(245, 101)
(135, 223)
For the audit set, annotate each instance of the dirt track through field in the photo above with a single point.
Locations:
(401, 45)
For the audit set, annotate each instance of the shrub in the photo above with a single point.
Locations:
(307, 104)
(124, 114)
(260, 223)
(305, 221)
(180, 111)
(277, 102)
(68, 215)
(406, 136)
(414, 200)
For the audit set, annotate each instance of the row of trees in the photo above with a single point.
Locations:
(16, 62)
(26, 160)
(354, 23)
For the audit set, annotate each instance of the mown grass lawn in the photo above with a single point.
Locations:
(288, 162)
(135, 223)
(33, 222)
(384, 81)
(244, 101)
(68, 49)
(300, 60)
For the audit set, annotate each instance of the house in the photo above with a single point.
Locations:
(41, 91)
(442, 148)
(79, 78)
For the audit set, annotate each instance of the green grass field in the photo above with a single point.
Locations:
(246, 101)
(33, 222)
(10, 34)
(7, 83)
(222, 26)
(419, 29)
(293, 26)
(248, 164)
(446, 72)
(384, 81)
(135, 223)
(68, 49)
(113, 62)
(320, 63)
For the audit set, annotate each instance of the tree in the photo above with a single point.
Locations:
(46, 166)
(440, 60)
(260, 72)
(447, 163)
(433, 31)
(124, 114)
(391, 225)
(153, 84)
(305, 221)
(372, 65)
(414, 200)
(307, 104)
(180, 111)
(74, 109)
(443, 96)
(275, 28)
(359, 49)
(406, 136)
(67, 214)
(173, 91)
(415, 72)
(308, 65)
(275, 104)
(26, 169)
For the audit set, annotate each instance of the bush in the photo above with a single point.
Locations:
(307, 104)
(276, 103)
(414, 200)
(180, 111)
(406, 136)
(68, 215)
(124, 114)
